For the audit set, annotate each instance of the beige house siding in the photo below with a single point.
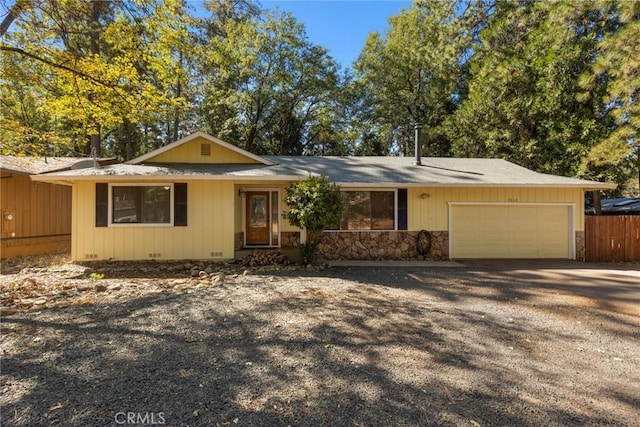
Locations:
(428, 206)
(189, 152)
(208, 235)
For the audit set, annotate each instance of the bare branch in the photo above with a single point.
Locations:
(14, 12)
(76, 72)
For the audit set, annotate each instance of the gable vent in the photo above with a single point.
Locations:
(205, 149)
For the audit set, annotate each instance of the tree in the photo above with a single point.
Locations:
(314, 204)
(617, 69)
(269, 86)
(101, 65)
(522, 103)
(413, 73)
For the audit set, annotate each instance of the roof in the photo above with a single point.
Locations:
(349, 171)
(346, 171)
(28, 165)
(36, 165)
(434, 171)
(622, 206)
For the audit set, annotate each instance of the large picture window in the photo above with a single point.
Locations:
(369, 210)
(141, 204)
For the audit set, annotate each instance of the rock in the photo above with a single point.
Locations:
(40, 301)
(100, 287)
(208, 270)
(8, 311)
(217, 279)
(187, 266)
(115, 287)
(203, 274)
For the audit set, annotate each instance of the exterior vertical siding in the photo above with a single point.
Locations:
(428, 209)
(190, 153)
(42, 216)
(208, 235)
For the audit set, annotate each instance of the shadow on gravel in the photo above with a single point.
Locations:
(389, 350)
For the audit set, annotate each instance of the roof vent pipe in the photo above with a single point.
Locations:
(418, 138)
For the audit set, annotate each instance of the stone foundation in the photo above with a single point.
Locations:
(439, 245)
(238, 241)
(580, 246)
(381, 245)
(290, 239)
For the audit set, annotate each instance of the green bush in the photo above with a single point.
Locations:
(314, 204)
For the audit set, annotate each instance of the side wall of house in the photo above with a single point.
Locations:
(428, 209)
(209, 233)
(428, 206)
(40, 216)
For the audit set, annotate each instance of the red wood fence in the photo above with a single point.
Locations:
(612, 238)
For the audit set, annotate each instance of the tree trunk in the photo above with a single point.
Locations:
(96, 145)
(597, 206)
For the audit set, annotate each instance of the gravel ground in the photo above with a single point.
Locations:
(149, 345)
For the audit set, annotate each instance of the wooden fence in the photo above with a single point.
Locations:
(612, 238)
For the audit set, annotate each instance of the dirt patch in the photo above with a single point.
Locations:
(344, 346)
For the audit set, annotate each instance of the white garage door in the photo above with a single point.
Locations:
(510, 231)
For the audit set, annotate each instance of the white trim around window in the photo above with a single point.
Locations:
(141, 224)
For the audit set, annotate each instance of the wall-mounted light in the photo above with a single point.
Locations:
(8, 217)
(424, 195)
(242, 193)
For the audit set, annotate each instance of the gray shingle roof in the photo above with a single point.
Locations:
(434, 171)
(352, 171)
(35, 165)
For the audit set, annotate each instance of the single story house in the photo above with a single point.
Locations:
(36, 216)
(202, 198)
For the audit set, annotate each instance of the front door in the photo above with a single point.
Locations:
(258, 217)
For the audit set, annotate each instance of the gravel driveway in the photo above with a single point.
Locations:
(470, 346)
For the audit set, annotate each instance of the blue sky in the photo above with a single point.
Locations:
(341, 26)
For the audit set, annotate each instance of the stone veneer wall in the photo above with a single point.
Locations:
(238, 241)
(581, 247)
(381, 245)
(290, 239)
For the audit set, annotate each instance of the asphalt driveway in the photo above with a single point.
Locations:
(612, 286)
(483, 344)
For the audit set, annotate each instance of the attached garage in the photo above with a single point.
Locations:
(479, 230)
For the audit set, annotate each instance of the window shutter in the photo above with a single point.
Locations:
(402, 209)
(180, 204)
(102, 204)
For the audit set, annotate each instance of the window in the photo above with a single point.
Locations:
(369, 210)
(141, 204)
